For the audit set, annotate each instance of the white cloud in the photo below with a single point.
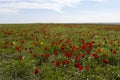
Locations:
(56, 5)
(6, 10)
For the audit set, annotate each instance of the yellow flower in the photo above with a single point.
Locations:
(41, 43)
(115, 42)
(14, 43)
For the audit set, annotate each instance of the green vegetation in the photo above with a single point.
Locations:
(59, 52)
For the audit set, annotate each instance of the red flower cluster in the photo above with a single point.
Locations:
(95, 55)
(70, 54)
(65, 62)
(79, 66)
(77, 57)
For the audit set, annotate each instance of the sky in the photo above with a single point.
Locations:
(59, 11)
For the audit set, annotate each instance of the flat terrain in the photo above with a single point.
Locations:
(59, 52)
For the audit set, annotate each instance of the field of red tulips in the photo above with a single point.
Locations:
(59, 52)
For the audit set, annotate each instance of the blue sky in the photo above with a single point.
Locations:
(59, 11)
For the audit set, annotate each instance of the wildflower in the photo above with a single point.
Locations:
(53, 44)
(65, 53)
(83, 47)
(87, 67)
(83, 55)
(111, 43)
(13, 43)
(25, 48)
(41, 55)
(5, 47)
(46, 48)
(71, 52)
(63, 62)
(47, 56)
(17, 48)
(80, 67)
(95, 55)
(34, 55)
(19, 51)
(98, 50)
(114, 52)
(36, 71)
(53, 62)
(55, 53)
(41, 43)
(30, 52)
(77, 65)
(66, 62)
(105, 61)
(87, 52)
(57, 63)
(82, 40)
(76, 58)
(104, 54)
(20, 57)
(99, 44)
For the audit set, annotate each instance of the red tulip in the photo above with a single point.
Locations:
(76, 58)
(17, 48)
(30, 52)
(99, 44)
(57, 63)
(114, 52)
(84, 47)
(77, 65)
(104, 54)
(5, 47)
(36, 71)
(63, 62)
(55, 53)
(47, 56)
(105, 61)
(20, 57)
(46, 48)
(66, 62)
(34, 55)
(87, 67)
(95, 55)
(80, 67)
(83, 55)
(11, 44)
(53, 44)
(98, 50)
(25, 48)
(19, 51)
(82, 40)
